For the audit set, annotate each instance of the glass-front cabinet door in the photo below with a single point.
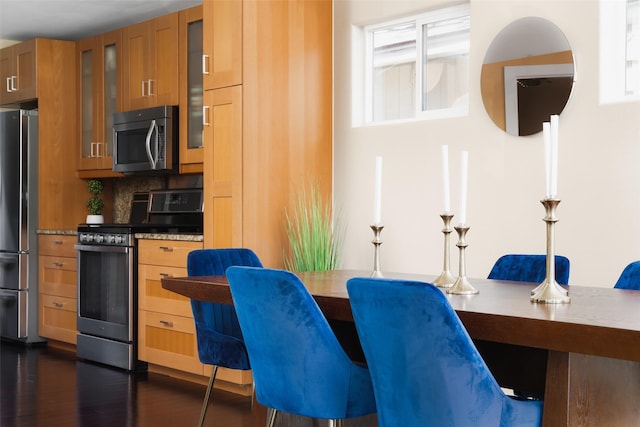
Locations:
(191, 90)
(99, 97)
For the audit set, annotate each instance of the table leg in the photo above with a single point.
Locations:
(258, 413)
(584, 390)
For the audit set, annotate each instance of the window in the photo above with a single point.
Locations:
(433, 46)
(632, 60)
(619, 50)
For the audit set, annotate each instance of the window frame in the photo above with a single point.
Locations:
(419, 20)
(614, 52)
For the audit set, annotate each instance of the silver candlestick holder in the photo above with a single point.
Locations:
(377, 229)
(462, 286)
(446, 279)
(549, 291)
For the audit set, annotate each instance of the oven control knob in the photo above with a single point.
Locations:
(99, 238)
(118, 239)
(110, 238)
(89, 238)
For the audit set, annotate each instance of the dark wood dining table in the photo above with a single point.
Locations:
(582, 356)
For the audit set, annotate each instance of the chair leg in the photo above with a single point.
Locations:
(207, 394)
(336, 423)
(272, 418)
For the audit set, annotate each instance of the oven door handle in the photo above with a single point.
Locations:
(152, 159)
(102, 248)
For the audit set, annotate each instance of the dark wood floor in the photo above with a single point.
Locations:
(41, 386)
(48, 387)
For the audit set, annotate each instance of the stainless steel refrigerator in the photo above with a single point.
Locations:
(18, 224)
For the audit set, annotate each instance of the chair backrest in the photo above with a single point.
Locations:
(425, 369)
(529, 268)
(216, 323)
(298, 365)
(630, 277)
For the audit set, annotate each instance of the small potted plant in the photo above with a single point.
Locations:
(95, 205)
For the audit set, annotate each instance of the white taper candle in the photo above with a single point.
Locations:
(554, 155)
(445, 179)
(377, 197)
(464, 166)
(546, 135)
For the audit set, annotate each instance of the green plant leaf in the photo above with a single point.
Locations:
(314, 239)
(95, 186)
(95, 205)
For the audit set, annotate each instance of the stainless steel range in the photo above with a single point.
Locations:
(107, 276)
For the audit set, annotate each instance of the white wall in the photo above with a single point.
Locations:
(599, 161)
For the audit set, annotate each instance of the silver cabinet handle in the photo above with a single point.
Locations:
(205, 115)
(166, 275)
(57, 304)
(57, 242)
(11, 84)
(167, 323)
(166, 248)
(205, 62)
(142, 89)
(58, 264)
(150, 87)
(98, 145)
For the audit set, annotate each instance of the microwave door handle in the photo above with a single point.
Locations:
(148, 141)
(157, 144)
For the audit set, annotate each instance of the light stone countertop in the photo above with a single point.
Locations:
(58, 232)
(188, 237)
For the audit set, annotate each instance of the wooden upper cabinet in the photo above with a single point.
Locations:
(150, 61)
(99, 61)
(191, 90)
(18, 73)
(222, 43)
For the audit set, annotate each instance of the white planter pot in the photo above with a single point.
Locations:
(95, 219)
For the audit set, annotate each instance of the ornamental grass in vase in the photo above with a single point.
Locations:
(314, 238)
(95, 205)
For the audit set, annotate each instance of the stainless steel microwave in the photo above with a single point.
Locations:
(146, 140)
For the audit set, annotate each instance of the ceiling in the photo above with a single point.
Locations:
(22, 20)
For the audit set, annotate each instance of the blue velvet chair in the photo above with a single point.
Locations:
(299, 367)
(529, 268)
(425, 368)
(220, 341)
(630, 277)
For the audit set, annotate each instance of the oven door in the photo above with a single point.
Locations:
(105, 291)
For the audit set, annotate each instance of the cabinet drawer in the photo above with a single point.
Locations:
(152, 296)
(168, 340)
(57, 276)
(58, 318)
(57, 245)
(172, 253)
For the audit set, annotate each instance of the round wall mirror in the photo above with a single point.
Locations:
(527, 75)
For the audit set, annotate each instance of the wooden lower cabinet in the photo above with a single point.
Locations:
(166, 331)
(57, 288)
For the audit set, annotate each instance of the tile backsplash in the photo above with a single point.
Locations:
(123, 189)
